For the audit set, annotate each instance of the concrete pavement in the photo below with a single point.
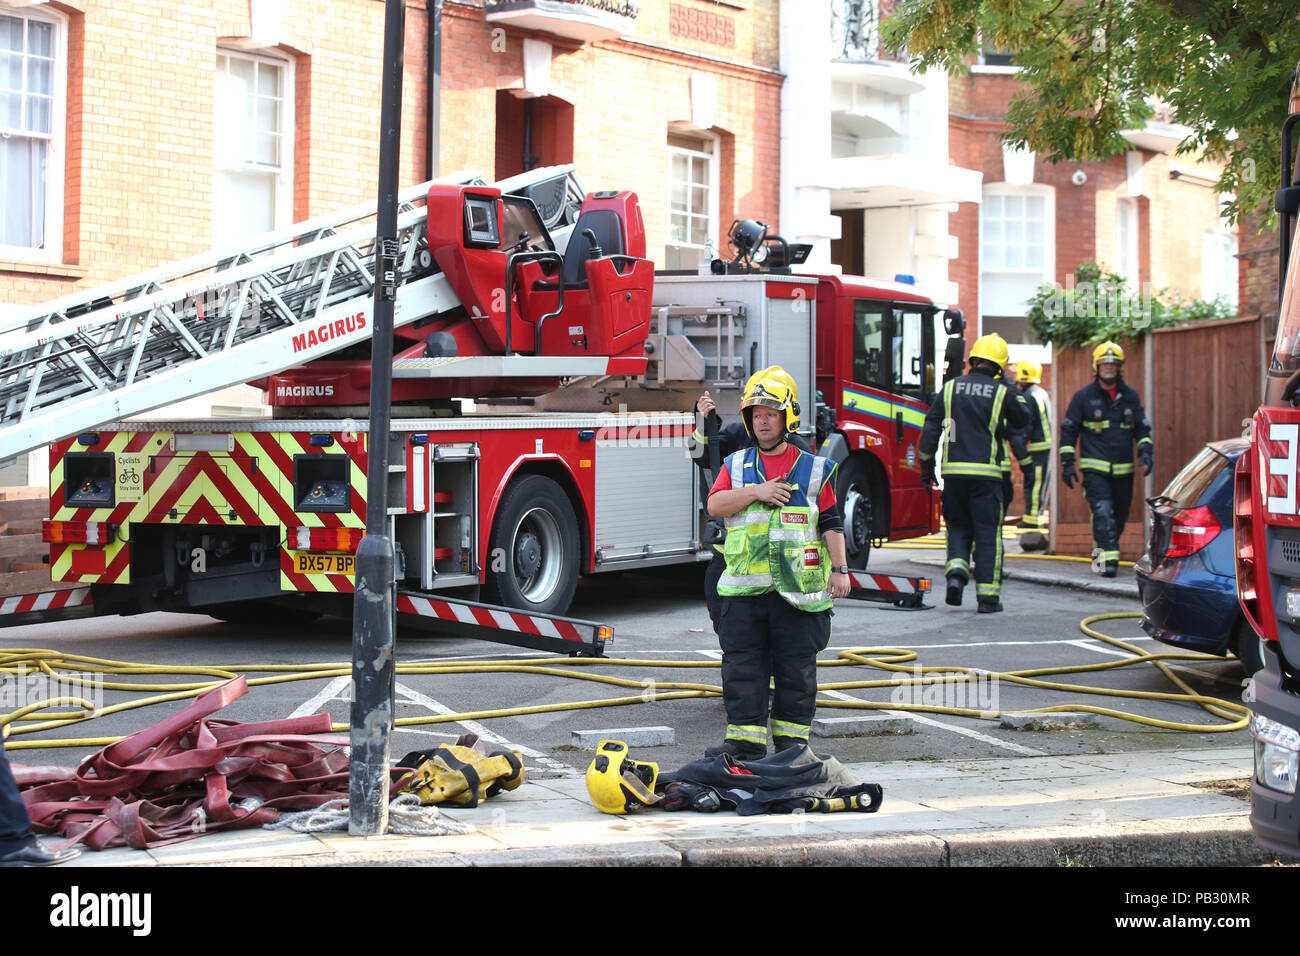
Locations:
(1155, 808)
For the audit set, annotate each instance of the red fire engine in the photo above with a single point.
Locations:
(1267, 536)
(543, 391)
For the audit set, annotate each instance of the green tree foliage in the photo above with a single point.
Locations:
(1097, 305)
(1090, 69)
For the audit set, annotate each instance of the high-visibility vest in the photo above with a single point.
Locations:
(770, 548)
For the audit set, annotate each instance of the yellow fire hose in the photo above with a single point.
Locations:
(65, 668)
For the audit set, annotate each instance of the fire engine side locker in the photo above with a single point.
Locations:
(773, 322)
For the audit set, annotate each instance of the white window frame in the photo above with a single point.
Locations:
(282, 209)
(1219, 265)
(714, 161)
(1044, 274)
(1127, 228)
(52, 251)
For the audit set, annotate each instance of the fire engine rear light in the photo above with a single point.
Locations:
(322, 441)
(325, 539)
(1277, 753)
(1192, 530)
(77, 532)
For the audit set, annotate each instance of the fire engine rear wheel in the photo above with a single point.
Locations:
(854, 493)
(533, 550)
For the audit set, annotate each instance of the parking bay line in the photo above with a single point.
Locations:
(931, 722)
(1189, 671)
(474, 727)
(336, 690)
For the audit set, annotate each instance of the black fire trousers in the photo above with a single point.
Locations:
(972, 511)
(1109, 497)
(766, 640)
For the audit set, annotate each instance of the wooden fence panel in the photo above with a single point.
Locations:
(1207, 380)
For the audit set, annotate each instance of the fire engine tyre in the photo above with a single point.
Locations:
(854, 493)
(535, 537)
(1248, 646)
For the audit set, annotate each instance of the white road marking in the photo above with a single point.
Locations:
(474, 727)
(931, 722)
(337, 689)
(1189, 671)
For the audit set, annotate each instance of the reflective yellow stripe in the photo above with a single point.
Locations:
(1067, 449)
(781, 728)
(1126, 469)
(1040, 445)
(1146, 440)
(971, 469)
(748, 733)
(1096, 464)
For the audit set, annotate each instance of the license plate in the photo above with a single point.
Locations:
(307, 563)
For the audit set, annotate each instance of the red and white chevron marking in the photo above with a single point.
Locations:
(883, 582)
(492, 617)
(46, 600)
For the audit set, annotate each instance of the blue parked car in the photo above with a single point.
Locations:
(1188, 578)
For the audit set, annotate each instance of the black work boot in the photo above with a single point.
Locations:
(990, 604)
(788, 743)
(956, 584)
(1112, 570)
(738, 749)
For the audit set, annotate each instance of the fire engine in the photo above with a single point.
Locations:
(1267, 537)
(543, 395)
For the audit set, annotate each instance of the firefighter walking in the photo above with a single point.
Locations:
(785, 564)
(1104, 422)
(971, 416)
(1035, 468)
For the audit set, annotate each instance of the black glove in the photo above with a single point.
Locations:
(1146, 460)
(1068, 474)
(927, 475)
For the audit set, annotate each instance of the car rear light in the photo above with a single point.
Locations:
(1191, 530)
(325, 539)
(77, 532)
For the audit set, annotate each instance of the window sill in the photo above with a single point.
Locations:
(51, 269)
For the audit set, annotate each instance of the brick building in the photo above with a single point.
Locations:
(141, 132)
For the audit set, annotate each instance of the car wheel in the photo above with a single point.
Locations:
(533, 549)
(1249, 647)
(854, 494)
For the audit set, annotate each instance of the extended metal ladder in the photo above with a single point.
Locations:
(212, 321)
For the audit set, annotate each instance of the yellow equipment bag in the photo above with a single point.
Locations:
(460, 774)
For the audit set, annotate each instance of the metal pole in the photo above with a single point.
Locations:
(374, 603)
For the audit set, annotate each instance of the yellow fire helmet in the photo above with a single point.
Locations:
(991, 348)
(1107, 352)
(618, 784)
(782, 376)
(771, 393)
(1029, 373)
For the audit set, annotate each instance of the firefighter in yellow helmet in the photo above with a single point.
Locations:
(1102, 426)
(971, 416)
(1034, 523)
(785, 565)
(711, 443)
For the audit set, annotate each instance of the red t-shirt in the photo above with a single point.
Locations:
(1112, 392)
(774, 466)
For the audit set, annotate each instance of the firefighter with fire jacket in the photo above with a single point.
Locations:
(1105, 419)
(1034, 470)
(1017, 444)
(709, 447)
(785, 564)
(971, 416)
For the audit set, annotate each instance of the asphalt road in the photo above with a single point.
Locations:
(662, 619)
